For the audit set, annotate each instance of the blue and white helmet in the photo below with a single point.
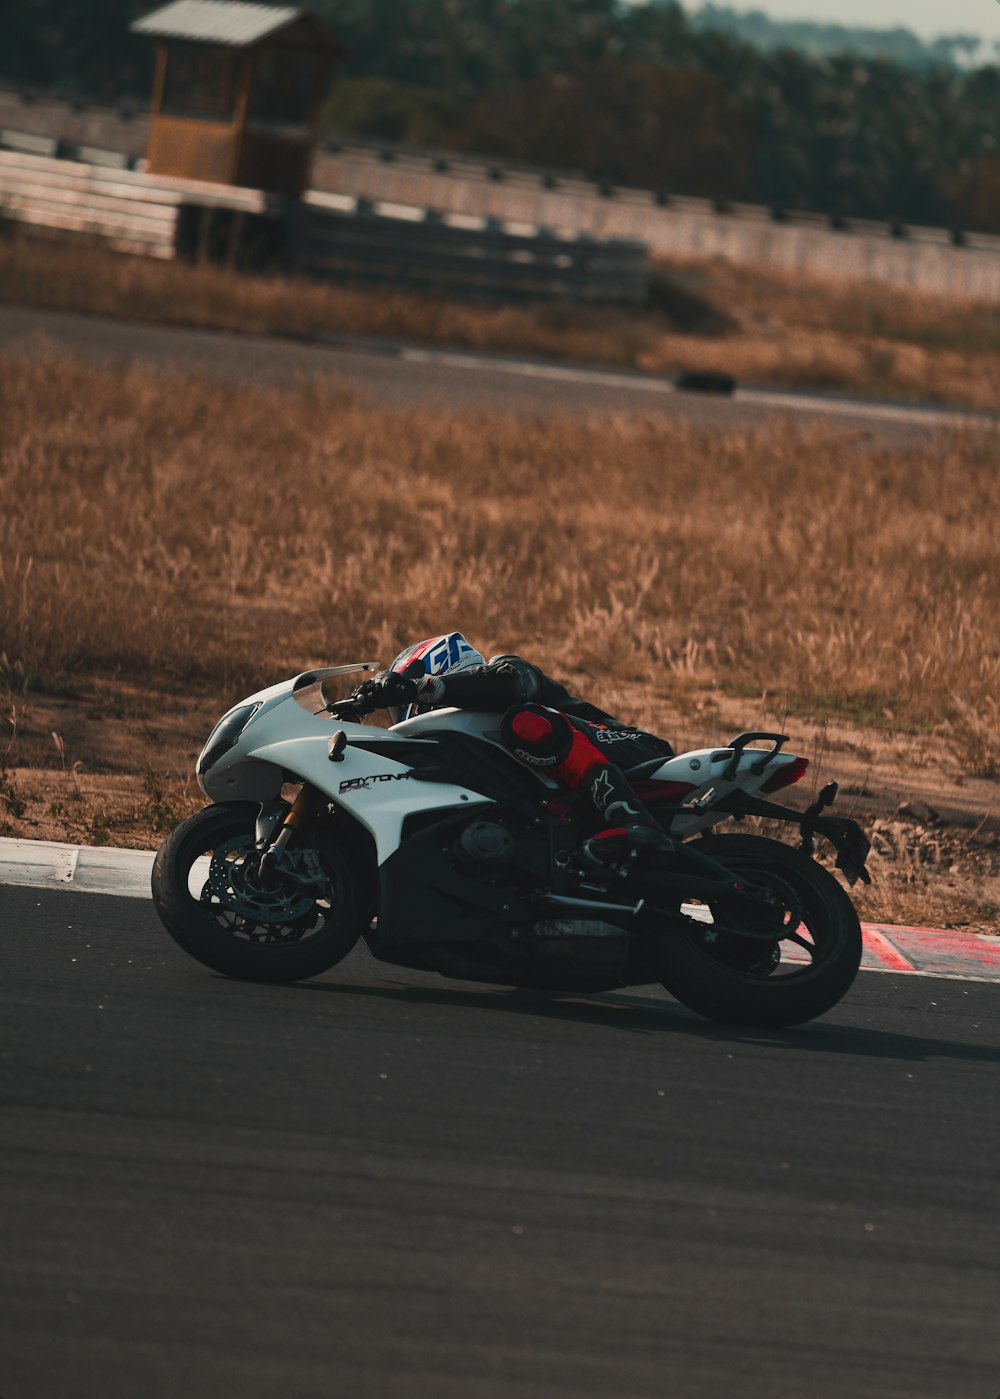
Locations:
(440, 655)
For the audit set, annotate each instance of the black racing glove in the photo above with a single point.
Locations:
(385, 689)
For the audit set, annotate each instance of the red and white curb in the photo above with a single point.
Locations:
(43, 864)
(937, 952)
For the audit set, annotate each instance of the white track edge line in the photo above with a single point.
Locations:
(527, 370)
(761, 398)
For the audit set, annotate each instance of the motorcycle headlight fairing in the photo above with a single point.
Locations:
(225, 735)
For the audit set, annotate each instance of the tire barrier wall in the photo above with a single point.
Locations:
(125, 209)
(326, 236)
(348, 239)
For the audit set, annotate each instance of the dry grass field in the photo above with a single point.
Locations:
(866, 339)
(759, 327)
(168, 544)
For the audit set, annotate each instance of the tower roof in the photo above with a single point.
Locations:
(220, 21)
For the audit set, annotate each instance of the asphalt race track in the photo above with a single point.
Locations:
(407, 376)
(384, 1184)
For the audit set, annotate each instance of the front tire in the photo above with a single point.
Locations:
(291, 942)
(737, 981)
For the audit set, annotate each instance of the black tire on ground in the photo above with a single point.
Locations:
(237, 946)
(699, 977)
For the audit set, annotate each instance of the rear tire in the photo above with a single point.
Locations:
(317, 933)
(718, 979)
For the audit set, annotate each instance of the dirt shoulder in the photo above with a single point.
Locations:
(114, 765)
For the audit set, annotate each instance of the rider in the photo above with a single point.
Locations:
(543, 726)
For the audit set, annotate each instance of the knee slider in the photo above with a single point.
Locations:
(537, 736)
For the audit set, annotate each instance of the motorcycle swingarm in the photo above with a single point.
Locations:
(663, 891)
(657, 920)
(846, 836)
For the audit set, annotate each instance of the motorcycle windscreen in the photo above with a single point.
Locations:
(315, 689)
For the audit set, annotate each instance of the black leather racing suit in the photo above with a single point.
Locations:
(547, 728)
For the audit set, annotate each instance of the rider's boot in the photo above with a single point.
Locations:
(629, 831)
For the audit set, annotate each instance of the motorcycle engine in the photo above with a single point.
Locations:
(485, 843)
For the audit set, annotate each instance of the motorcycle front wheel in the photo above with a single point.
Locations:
(211, 902)
(798, 973)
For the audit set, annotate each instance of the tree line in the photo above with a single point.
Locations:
(626, 94)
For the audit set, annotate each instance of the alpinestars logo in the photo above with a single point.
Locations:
(616, 735)
(533, 759)
(362, 784)
(602, 792)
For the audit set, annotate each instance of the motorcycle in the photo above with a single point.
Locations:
(433, 844)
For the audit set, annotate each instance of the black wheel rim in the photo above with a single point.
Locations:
(802, 943)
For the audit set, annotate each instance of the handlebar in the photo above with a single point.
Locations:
(350, 709)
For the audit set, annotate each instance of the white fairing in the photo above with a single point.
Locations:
(703, 768)
(283, 742)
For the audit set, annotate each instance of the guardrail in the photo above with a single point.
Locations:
(397, 162)
(122, 128)
(29, 143)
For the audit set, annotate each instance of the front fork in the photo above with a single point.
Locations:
(278, 820)
(299, 813)
(277, 824)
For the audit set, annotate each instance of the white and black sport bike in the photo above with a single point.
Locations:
(433, 844)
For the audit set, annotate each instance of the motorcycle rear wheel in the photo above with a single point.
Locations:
(719, 975)
(313, 935)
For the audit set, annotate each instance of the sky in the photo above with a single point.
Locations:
(928, 18)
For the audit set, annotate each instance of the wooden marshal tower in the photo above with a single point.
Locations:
(237, 91)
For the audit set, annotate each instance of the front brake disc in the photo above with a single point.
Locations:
(233, 882)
